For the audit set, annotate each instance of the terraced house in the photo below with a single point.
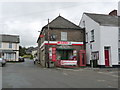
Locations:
(9, 47)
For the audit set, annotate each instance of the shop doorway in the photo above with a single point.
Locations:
(65, 54)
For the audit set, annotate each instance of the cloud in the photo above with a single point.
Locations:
(27, 18)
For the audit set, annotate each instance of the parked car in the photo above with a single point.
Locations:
(21, 59)
(2, 62)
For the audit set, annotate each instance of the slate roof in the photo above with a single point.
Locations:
(105, 20)
(9, 38)
(61, 22)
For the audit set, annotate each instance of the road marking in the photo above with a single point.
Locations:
(76, 70)
(110, 86)
(65, 73)
(114, 76)
(100, 72)
(100, 80)
(109, 74)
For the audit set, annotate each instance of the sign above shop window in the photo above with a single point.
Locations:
(68, 62)
(63, 43)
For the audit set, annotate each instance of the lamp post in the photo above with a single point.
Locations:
(48, 62)
(39, 50)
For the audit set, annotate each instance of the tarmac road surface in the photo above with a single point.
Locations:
(28, 75)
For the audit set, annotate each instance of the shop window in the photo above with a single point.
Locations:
(64, 36)
(64, 54)
(92, 36)
(10, 45)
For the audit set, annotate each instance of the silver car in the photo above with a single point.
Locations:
(2, 62)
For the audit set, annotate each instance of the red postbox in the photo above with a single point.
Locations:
(82, 54)
(54, 54)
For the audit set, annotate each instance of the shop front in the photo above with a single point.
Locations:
(65, 54)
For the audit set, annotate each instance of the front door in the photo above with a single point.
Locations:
(107, 56)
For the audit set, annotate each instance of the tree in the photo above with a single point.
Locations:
(22, 51)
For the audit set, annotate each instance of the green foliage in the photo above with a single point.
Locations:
(31, 57)
(26, 56)
(22, 51)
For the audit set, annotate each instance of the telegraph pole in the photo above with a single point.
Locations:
(48, 62)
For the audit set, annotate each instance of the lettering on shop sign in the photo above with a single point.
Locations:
(63, 43)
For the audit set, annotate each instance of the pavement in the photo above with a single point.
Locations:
(28, 75)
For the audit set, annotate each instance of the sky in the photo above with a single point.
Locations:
(25, 18)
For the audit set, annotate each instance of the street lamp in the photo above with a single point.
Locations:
(48, 63)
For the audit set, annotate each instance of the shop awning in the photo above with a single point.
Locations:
(64, 47)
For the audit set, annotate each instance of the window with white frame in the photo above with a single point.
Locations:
(64, 36)
(92, 35)
(86, 37)
(10, 45)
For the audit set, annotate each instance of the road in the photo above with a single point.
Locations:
(28, 75)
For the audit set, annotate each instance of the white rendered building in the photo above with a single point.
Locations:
(102, 39)
(9, 47)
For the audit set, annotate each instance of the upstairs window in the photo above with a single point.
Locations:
(92, 35)
(10, 45)
(86, 37)
(53, 37)
(64, 36)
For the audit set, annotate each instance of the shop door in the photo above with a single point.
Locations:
(64, 54)
(107, 57)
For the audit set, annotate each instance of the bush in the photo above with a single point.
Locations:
(31, 57)
(26, 56)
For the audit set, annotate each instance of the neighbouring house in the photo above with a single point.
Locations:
(29, 50)
(102, 39)
(9, 47)
(34, 51)
(59, 42)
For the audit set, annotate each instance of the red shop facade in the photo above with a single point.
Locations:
(65, 54)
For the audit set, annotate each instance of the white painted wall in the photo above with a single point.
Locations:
(119, 8)
(104, 36)
(91, 25)
(34, 52)
(109, 37)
